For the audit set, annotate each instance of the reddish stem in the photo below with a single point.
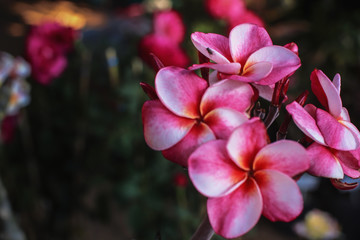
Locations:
(204, 231)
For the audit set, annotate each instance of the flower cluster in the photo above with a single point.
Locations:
(46, 49)
(213, 126)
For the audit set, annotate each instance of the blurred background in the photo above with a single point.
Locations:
(73, 160)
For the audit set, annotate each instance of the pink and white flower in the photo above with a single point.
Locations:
(248, 55)
(244, 177)
(189, 113)
(335, 150)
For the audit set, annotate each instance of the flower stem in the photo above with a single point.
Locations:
(204, 231)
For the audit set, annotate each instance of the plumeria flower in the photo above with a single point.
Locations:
(188, 113)
(248, 55)
(164, 41)
(335, 150)
(244, 177)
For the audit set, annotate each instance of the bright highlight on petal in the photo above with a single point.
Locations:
(163, 129)
(212, 172)
(180, 91)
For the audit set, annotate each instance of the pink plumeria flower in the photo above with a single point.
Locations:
(189, 113)
(170, 25)
(244, 177)
(248, 55)
(336, 139)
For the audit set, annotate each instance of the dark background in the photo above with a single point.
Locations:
(78, 166)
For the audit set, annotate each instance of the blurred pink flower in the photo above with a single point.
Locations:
(169, 52)
(169, 24)
(234, 12)
(180, 180)
(164, 41)
(46, 49)
(225, 9)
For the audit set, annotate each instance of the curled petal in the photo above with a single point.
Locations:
(343, 185)
(286, 156)
(227, 68)
(283, 61)
(246, 141)
(180, 90)
(236, 213)
(246, 39)
(180, 152)
(265, 91)
(282, 198)
(223, 121)
(229, 94)
(212, 172)
(323, 162)
(213, 46)
(349, 163)
(163, 129)
(305, 122)
(325, 91)
(336, 135)
(337, 82)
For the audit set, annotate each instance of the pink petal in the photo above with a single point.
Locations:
(336, 135)
(212, 172)
(323, 163)
(223, 121)
(246, 141)
(351, 127)
(349, 163)
(213, 46)
(213, 77)
(258, 71)
(337, 82)
(283, 60)
(180, 152)
(286, 156)
(227, 93)
(281, 196)
(237, 213)
(228, 68)
(163, 129)
(180, 90)
(344, 115)
(305, 122)
(246, 39)
(265, 91)
(326, 92)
